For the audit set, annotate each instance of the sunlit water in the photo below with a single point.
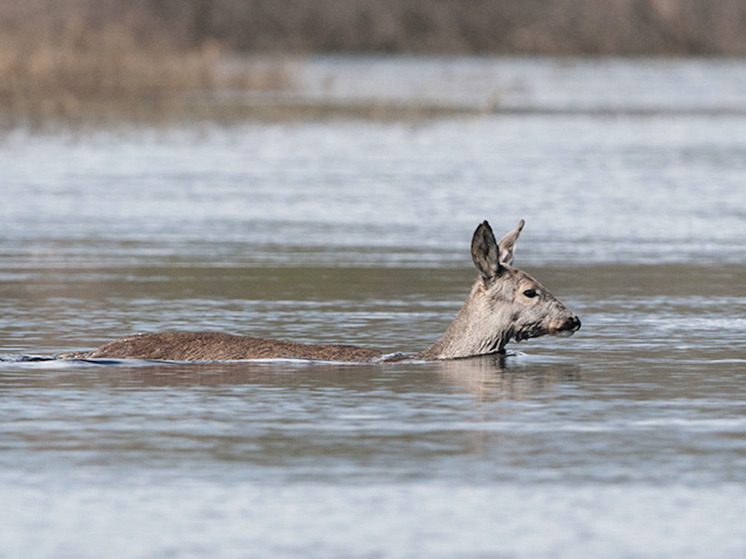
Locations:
(626, 440)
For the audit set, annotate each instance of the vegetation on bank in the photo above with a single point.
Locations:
(549, 27)
(75, 61)
(147, 58)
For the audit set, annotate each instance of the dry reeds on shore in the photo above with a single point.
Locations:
(72, 72)
(153, 59)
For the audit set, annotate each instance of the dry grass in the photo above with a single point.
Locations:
(65, 69)
(82, 60)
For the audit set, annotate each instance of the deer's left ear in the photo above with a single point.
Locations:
(485, 252)
(507, 243)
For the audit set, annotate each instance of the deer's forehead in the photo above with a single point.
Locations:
(508, 283)
(520, 279)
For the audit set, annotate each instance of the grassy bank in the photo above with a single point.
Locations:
(70, 62)
(549, 27)
(108, 82)
(150, 59)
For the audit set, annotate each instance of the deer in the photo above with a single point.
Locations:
(504, 304)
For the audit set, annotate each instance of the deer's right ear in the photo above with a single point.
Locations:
(507, 243)
(485, 252)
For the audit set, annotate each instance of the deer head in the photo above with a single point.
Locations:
(505, 303)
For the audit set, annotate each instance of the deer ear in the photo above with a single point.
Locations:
(485, 252)
(507, 242)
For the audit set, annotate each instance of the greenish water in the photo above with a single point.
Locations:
(626, 440)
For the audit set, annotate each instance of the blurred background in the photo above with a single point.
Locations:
(80, 58)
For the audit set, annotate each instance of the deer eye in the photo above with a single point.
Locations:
(530, 293)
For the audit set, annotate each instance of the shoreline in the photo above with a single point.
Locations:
(373, 88)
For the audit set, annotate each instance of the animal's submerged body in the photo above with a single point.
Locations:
(505, 303)
(217, 346)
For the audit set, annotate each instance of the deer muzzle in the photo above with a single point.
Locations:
(565, 327)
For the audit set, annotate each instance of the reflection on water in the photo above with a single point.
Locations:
(358, 232)
(507, 377)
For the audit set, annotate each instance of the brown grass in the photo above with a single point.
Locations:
(150, 59)
(62, 66)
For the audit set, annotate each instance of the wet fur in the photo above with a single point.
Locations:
(216, 346)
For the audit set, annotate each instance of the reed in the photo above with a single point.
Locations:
(152, 59)
(61, 68)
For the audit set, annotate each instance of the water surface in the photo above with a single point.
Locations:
(626, 440)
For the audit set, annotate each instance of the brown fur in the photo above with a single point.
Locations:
(216, 346)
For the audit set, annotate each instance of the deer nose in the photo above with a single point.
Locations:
(566, 327)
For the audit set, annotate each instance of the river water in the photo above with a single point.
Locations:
(626, 440)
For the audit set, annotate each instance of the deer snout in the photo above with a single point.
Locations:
(566, 326)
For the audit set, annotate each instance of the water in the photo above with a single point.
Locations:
(626, 440)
